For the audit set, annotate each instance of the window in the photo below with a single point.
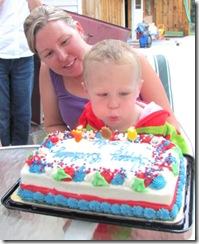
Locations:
(138, 4)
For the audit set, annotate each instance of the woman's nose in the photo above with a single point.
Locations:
(62, 55)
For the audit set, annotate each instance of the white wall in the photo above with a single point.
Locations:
(70, 5)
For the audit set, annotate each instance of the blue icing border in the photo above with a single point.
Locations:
(125, 210)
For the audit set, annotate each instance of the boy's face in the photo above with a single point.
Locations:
(112, 90)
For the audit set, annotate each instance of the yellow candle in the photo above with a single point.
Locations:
(131, 133)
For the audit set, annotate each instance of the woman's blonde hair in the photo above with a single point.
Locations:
(115, 51)
(39, 17)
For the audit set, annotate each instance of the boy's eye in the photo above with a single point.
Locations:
(123, 93)
(65, 41)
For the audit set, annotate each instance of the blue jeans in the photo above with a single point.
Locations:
(16, 85)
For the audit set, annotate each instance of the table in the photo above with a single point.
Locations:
(19, 225)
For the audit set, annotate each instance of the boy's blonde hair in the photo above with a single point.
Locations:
(39, 17)
(115, 51)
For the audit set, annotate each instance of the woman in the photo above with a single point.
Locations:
(59, 41)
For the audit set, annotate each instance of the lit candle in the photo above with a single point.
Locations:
(131, 133)
(77, 133)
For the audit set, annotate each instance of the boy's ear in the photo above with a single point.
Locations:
(80, 29)
(141, 84)
(84, 86)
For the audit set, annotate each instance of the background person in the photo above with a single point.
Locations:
(16, 72)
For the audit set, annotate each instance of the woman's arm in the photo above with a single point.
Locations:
(153, 90)
(32, 4)
(52, 117)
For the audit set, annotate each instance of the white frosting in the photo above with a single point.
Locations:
(99, 154)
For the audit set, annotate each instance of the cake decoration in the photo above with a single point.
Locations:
(77, 133)
(106, 133)
(131, 133)
(136, 175)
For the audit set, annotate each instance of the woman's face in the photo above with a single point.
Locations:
(62, 48)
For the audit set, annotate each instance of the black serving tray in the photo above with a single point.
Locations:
(180, 227)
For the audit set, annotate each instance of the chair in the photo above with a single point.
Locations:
(160, 64)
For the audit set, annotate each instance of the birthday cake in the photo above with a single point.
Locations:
(140, 178)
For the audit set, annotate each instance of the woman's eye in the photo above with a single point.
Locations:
(102, 94)
(48, 54)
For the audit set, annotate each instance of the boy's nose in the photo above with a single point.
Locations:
(113, 103)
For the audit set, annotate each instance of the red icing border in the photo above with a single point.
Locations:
(45, 190)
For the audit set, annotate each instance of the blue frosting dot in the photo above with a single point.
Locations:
(163, 214)
(50, 199)
(118, 179)
(158, 183)
(106, 207)
(25, 194)
(83, 205)
(137, 211)
(60, 200)
(79, 174)
(95, 206)
(72, 203)
(37, 168)
(174, 211)
(115, 209)
(149, 213)
(38, 196)
(126, 210)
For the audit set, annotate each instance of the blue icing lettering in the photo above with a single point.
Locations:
(95, 158)
(120, 155)
(74, 156)
(102, 143)
(158, 183)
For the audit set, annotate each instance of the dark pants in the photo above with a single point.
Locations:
(16, 85)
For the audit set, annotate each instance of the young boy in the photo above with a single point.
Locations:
(112, 79)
